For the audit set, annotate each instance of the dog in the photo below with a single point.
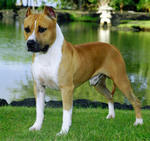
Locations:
(60, 65)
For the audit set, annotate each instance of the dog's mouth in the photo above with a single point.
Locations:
(35, 47)
(45, 49)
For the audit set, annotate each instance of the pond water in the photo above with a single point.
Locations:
(15, 61)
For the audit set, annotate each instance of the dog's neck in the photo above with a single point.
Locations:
(59, 39)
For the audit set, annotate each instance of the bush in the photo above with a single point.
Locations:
(7, 4)
(143, 5)
(123, 4)
(80, 4)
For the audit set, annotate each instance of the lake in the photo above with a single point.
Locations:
(15, 61)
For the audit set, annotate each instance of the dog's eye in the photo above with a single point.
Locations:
(27, 29)
(41, 29)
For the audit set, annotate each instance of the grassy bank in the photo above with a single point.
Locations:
(77, 15)
(135, 24)
(83, 18)
(88, 125)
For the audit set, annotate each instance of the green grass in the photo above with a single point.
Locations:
(88, 125)
(135, 23)
(83, 18)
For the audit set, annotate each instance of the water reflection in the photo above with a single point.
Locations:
(104, 34)
(15, 61)
(14, 64)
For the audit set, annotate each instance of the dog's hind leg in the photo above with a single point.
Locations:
(124, 85)
(101, 88)
(39, 93)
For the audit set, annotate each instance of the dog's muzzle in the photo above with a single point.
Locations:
(34, 46)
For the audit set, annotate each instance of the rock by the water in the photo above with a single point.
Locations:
(29, 102)
(79, 103)
(3, 102)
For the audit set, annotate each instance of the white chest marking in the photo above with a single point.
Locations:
(45, 66)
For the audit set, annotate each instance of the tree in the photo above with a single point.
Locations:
(123, 4)
(80, 4)
(7, 4)
(144, 5)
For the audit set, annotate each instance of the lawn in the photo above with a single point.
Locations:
(88, 125)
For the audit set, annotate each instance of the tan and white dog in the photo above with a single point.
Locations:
(60, 65)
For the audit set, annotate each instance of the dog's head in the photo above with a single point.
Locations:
(40, 30)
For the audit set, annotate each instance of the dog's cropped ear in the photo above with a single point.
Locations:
(28, 12)
(49, 12)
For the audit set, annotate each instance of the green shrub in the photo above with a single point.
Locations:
(143, 5)
(7, 4)
(123, 4)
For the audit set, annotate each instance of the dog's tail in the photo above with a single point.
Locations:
(113, 89)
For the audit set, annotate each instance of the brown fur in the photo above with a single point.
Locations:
(81, 62)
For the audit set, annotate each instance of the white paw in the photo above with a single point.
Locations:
(62, 132)
(109, 116)
(139, 121)
(35, 127)
(111, 113)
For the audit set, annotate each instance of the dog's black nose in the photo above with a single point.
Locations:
(31, 44)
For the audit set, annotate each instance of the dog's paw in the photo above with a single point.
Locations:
(62, 132)
(35, 127)
(109, 116)
(139, 121)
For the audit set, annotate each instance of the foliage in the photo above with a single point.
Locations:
(90, 4)
(144, 5)
(68, 4)
(7, 4)
(135, 5)
(123, 4)
(83, 18)
(80, 4)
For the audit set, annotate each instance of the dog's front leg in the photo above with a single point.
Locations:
(67, 99)
(40, 93)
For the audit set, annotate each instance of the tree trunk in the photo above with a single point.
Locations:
(121, 7)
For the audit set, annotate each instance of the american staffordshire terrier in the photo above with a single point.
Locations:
(58, 64)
